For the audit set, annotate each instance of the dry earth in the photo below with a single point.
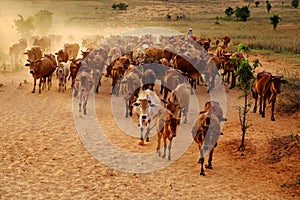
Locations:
(43, 157)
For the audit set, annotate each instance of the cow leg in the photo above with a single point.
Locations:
(165, 147)
(159, 134)
(126, 107)
(147, 135)
(34, 84)
(255, 104)
(273, 108)
(59, 85)
(84, 107)
(201, 162)
(260, 104)
(161, 86)
(169, 148)
(209, 165)
(40, 85)
(142, 129)
(264, 108)
(185, 114)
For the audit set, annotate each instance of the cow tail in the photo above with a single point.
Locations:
(254, 95)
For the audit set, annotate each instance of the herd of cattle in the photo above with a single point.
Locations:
(135, 65)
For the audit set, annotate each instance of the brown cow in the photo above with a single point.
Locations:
(117, 72)
(44, 43)
(226, 40)
(41, 69)
(148, 79)
(221, 51)
(266, 87)
(75, 64)
(172, 78)
(206, 131)
(35, 53)
(72, 50)
(166, 127)
(62, 56)
(129, 88)
(181, 96)
(190, 66)
(215, 108)
(231, 63)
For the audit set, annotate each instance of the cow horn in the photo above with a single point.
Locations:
(281, 76)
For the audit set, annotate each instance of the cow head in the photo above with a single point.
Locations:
(275, 83)
(144, 106)
(172, 124)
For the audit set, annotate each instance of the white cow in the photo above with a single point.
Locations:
(145, 110)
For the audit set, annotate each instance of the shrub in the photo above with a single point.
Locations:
(295, 3)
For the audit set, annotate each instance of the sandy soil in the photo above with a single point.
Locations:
(43, 157)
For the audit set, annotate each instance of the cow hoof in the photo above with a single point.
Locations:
(147, 140)
(202, 174)
(141, 142)
(273, 119)
(208, 166)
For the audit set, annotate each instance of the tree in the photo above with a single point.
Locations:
(295, 3)
(257, 4)
(245, 75)
(242, 13)
(24, 26)
(229, 11)
(269, 6)
(275, 19)
(42, 20)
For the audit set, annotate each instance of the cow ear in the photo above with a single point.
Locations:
(27, 64)
(136, 104)
(284, 82)
(56, 53)
(152, 105)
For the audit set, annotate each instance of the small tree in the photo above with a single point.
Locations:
(123, 6)
(249, 2)
(244, 75)
(24, 26)
(256, 4)
(42, 20)
(242, 13)
(269, 6)
(114, 6)
(275, 19)
(295, 3)
(229, 11)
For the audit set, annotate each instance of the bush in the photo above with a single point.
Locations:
(289, 101)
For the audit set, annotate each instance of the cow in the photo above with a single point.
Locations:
(148, 79)
(225, 40)
(16, 50)
(166, 128)
(172, 78)
(41, 69)
(212, 70)
(144, 110)
(117, 72)
(35, 53)
(97, 65)
(62, 72)
(75, 65)
(62, 56)
(231, 64)
(53, 60)
(44, 43)
(72, 50)
(191, 66)
(206, 131)
(179, 96)
(83, 84)
(266, 87)
(215, 108)
(129, 88)
(221, 51)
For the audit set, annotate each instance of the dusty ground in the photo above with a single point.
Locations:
(42, 155)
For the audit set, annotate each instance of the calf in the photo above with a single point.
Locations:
(62, 72)
(266, 87)
(83, 85)
(166, 127)
(144, 110)
(179, 96)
